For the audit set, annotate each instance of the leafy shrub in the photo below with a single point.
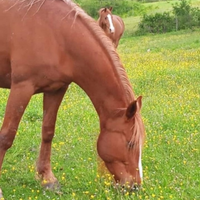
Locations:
(183, 16)
(158, 23)
(182, 12)
(196, 16)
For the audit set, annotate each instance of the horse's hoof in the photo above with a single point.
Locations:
(52, 186)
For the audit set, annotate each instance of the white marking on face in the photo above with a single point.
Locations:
(112, 28)
(140, 163)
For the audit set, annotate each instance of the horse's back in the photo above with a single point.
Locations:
(21, 24)
(29, 39)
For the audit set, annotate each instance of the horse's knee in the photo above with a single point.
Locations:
(47, 133)
(6, 140)
(47, 137)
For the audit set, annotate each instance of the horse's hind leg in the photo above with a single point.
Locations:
(51, 104)
(19, 97)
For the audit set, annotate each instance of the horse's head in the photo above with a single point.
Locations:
(106, 19)
(120, 145)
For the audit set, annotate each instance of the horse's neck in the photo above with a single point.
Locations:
(95, 71)
(103, 87)
(103, 26)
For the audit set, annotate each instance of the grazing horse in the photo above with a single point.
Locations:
(112, 25)
(44, 46)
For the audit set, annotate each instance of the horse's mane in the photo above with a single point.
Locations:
(26, 4)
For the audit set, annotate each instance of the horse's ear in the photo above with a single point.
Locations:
(104, 9)
(134, 107)
(110, 8)
(139, 102)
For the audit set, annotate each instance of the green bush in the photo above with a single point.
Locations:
(196, 16)
(183, 16)
(158, 23)
(123, 8)
(186, 16)
(182, 12)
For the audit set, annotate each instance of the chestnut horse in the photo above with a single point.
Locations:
(44, 46)
(112, 25)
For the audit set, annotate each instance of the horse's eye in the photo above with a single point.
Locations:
(105, 17)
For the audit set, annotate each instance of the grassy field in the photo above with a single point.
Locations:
(165, 70)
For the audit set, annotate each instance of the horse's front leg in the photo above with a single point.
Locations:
(51, 103)
(19, 97)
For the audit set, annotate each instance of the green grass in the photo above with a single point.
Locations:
(168, 78)
(184, 40)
